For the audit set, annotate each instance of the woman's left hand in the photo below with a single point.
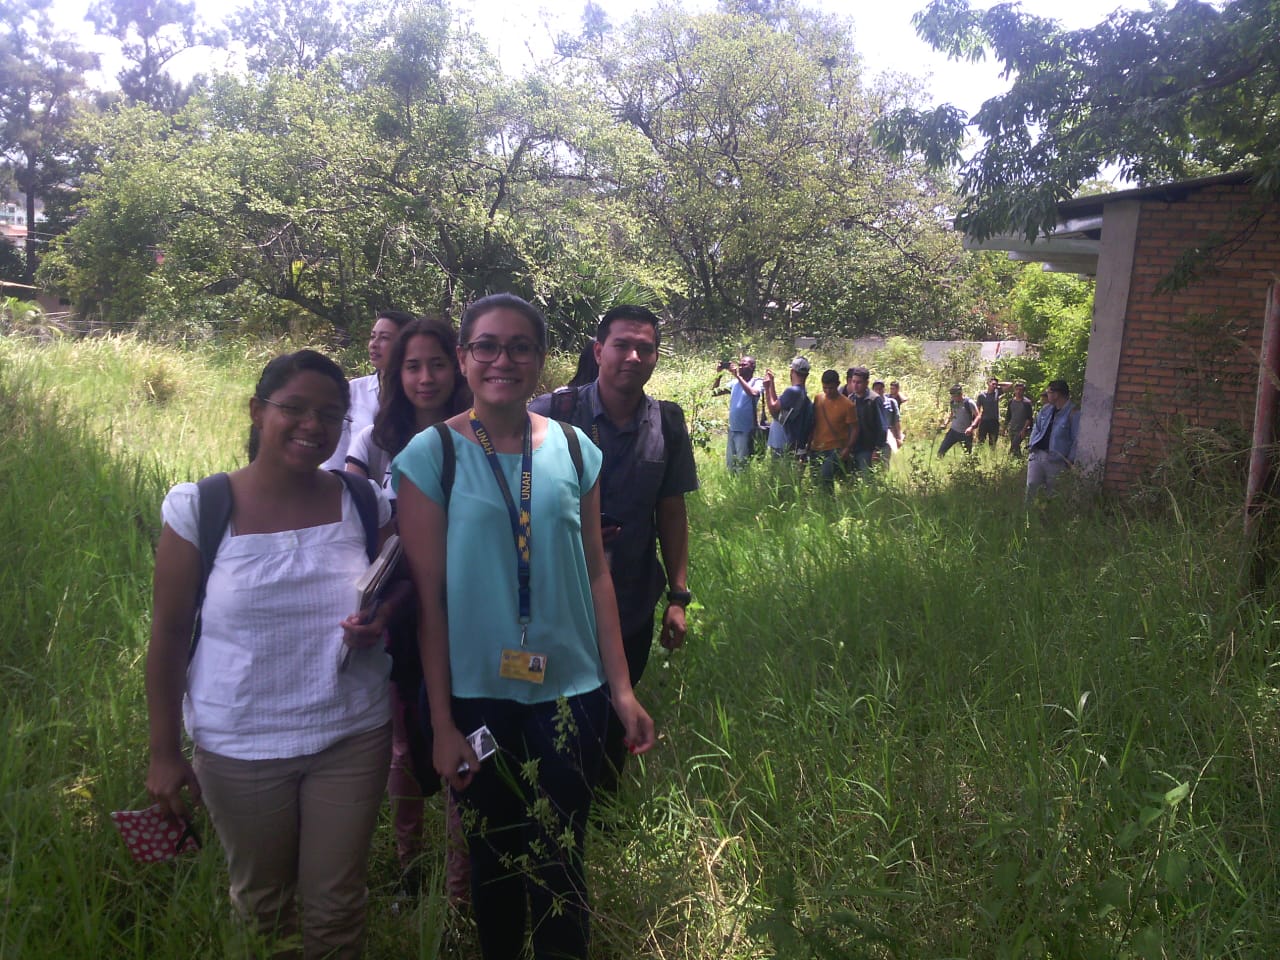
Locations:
(636, 722)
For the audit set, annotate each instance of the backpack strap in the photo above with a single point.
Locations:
(367, 506)
(213, 505)
(449, 457)
(668, 412)
(448, 462)
(575, 449)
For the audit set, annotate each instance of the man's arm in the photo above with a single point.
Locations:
(1073, 418)
(771, 395)
(853, 434)
(716, 389)
(673, 540)
(749, 385)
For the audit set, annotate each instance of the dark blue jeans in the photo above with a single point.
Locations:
(518, 845)
(952, 438)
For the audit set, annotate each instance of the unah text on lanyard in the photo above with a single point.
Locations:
(521, 516)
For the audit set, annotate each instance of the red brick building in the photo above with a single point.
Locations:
(1166, 364)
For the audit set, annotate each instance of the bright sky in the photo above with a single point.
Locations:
(883, 34)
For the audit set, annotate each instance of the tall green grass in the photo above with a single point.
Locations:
(912, 718)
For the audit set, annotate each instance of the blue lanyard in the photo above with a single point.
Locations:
(521, 518)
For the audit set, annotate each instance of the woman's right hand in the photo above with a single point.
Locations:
(166, 777)
(450, 753)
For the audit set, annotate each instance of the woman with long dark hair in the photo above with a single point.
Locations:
(519, 632)
(423, 385)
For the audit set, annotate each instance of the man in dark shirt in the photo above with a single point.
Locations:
(871, 425)
(1018, 417)
(989, 412)
(648, 468)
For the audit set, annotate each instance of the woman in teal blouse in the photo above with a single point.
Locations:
(519, 632)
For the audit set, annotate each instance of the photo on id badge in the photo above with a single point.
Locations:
(523, 665)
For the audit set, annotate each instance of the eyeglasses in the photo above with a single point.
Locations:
(488, 351)
(330, 418)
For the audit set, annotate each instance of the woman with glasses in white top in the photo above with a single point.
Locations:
(285, 693)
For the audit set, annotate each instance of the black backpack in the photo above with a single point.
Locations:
(564, 404)
(798, 423)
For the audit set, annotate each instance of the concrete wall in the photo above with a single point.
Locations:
(935, 351)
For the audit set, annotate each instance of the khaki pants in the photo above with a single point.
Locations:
(301, 827)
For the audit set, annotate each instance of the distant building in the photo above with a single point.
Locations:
(1164, 364)
(13, 223)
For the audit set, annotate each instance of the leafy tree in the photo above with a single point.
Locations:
(762, 182)
(151, 33)
(1164, 93)
(406, 171)
(1054, 312)
(41, 80)
(290, 38)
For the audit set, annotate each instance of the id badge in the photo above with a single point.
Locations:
(523, 665)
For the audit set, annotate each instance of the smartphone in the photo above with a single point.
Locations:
(483, 743)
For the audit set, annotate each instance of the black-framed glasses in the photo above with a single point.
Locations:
(488, 351)
(296, 411)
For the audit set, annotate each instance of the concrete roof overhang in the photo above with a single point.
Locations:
(1074, 243)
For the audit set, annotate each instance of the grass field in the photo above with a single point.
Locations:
(912, 720)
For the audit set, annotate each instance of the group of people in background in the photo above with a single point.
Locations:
(844, 427)
(849, 428)
(530, 592)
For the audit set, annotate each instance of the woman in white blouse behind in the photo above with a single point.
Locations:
(366, 391)
(291, 746)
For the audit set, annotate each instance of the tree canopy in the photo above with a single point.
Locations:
(1163, 94)
(719, 164)
(41, 80)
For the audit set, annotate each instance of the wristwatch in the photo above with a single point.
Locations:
(679, 598)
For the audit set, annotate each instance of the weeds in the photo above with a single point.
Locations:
(911, 720)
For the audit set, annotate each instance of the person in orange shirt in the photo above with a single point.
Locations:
(835, 429)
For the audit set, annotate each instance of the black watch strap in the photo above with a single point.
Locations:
(679, 598)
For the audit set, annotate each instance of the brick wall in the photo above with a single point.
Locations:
(1190, 359)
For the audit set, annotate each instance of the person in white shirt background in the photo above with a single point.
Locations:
(365, 391)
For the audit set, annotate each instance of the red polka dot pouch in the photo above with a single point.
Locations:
(152, 837)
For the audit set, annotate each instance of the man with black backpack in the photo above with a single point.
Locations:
(648, 468)
(792, 412)
(872, 427)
